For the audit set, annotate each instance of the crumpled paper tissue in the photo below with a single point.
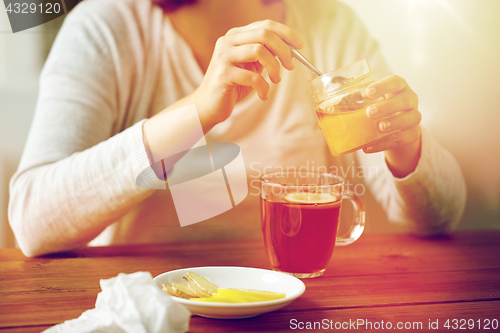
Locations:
(130, 303)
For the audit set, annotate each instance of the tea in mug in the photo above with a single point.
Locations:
(300, 230)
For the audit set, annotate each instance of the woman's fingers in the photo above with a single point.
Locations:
(276, 37)
(267, 39)
(255, 53)
(405, 100)
(399, 108)
(282, 31)
(392, 84)
(400, 121)
(396, 139)
(235, 76)
(396, 111)
(236, 66)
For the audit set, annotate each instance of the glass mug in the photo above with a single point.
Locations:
(340, 104)
(300, 215)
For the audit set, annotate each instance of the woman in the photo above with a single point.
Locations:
(117, 64)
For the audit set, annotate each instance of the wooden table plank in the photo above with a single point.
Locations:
(321, 293)
(378, 272)
(374, 254)
(280, 321)
(26, 329)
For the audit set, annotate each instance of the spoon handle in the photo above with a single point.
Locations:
(304, 61)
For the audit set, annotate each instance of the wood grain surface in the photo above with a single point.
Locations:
(388, 277)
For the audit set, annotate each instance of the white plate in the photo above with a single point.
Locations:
(237, 277)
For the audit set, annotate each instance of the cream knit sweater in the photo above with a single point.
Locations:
(116, 63)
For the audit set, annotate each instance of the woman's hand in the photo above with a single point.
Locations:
(236, 67)
(398, 114)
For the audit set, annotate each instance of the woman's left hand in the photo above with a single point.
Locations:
(396, 114)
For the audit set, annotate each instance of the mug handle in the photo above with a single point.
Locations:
(359, 220)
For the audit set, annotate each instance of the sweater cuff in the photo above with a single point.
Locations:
(433, 195)
(144, 175)
(424, 166)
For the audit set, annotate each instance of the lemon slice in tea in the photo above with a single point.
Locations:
(310, 198)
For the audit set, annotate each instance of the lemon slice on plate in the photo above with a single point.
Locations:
(240, 296)
(310, 198)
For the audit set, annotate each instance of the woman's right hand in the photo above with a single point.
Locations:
(235, 69)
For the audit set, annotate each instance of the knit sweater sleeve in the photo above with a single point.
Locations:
(428, 201)
(77, 173)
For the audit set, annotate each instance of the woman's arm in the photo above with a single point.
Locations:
(428, 201)
(76, 177)
(235, 70)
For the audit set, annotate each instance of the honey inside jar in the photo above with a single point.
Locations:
(340, 105)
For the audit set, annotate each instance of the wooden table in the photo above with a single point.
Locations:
(384, 280)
